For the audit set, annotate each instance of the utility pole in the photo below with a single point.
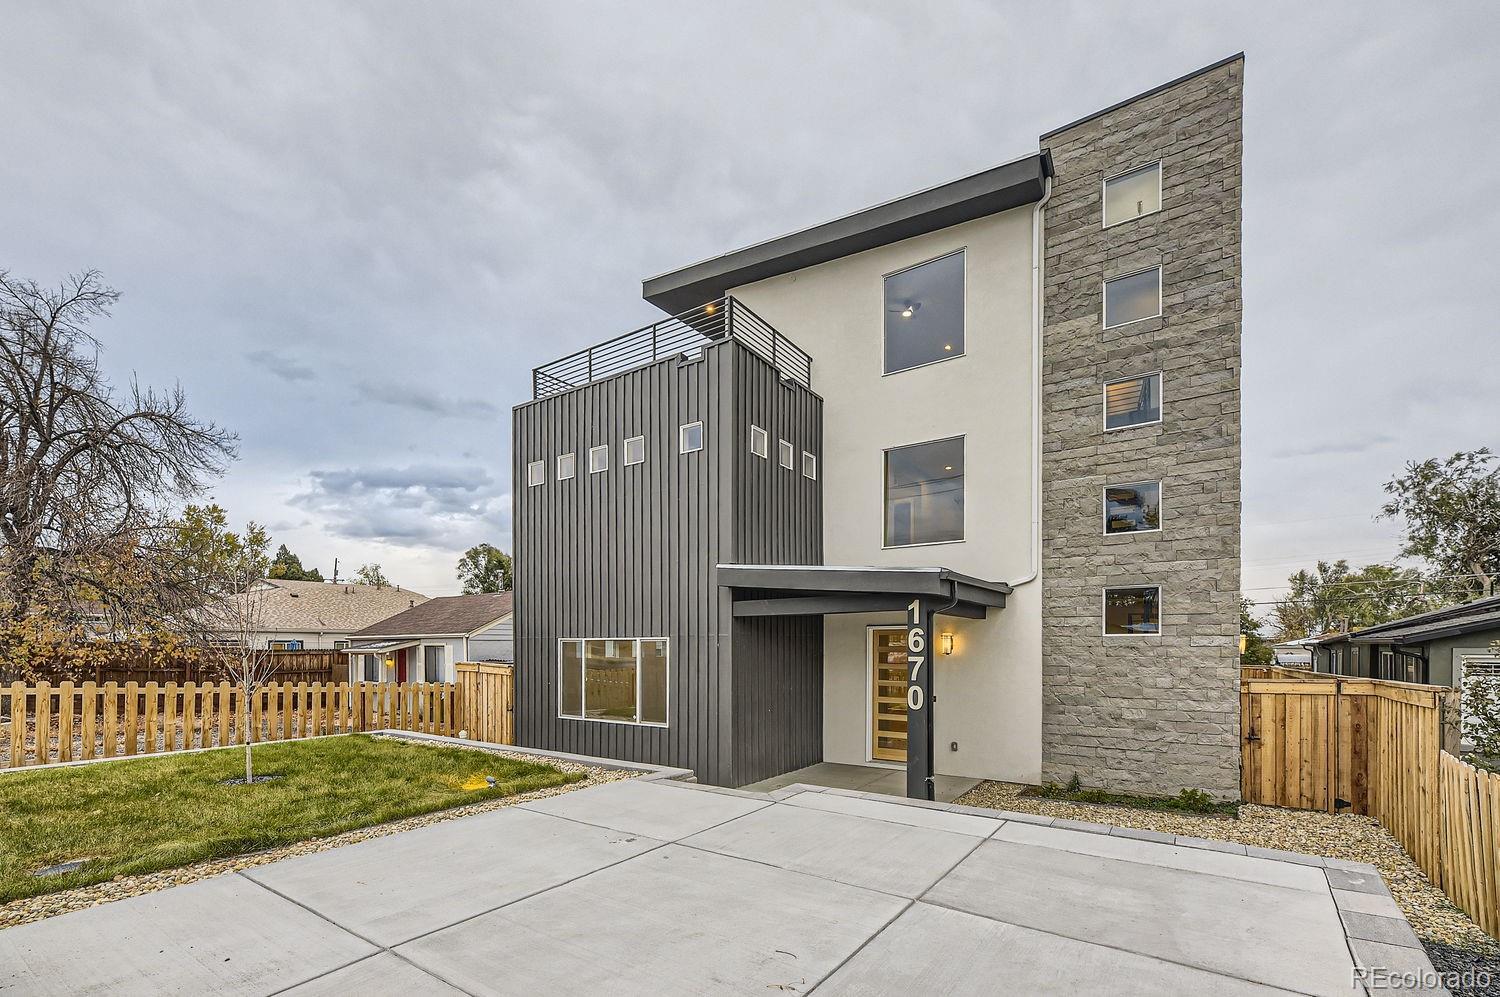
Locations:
(335, 571)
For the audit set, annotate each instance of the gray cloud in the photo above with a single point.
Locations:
(444, 507)
(1335, 448)
(285, 367)
(441, 198)
(426, 397)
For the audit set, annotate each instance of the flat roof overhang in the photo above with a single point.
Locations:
(1001, 188)
(816, 590)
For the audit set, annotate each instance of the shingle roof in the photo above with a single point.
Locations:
(445, 615)
(1481, 614)
(324, 606)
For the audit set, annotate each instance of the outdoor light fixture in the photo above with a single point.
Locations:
(945, 643)
(710, 308)
(906, 312)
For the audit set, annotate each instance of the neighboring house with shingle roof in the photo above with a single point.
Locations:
(1438, 648)
(423, 643)
(323, 615)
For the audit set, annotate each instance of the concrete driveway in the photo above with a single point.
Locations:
(652, 887)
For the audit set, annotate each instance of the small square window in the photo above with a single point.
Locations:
(1132, 194)
(635, 450)
(1132, 612)
(690, 438)
(787, 456)
(760, 442)
(1132, 297)
(809, 466)
(598, 459)
(567, 466)
(1133, 508)
(536, 473)
(1132, 401)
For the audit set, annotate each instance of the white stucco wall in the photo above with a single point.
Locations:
(989, 691)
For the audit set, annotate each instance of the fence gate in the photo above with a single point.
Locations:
(1289, 733)
(487, 698)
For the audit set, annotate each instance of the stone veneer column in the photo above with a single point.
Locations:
(1145, 714)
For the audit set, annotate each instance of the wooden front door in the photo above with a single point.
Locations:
(888, 694)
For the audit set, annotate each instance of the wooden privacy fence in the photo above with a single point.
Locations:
(68, 722)
(487, 694)
(1387, 750)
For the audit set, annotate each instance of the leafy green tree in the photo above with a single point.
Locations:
(289, 566)
(209, 554)
(370, 574)
(1451, 509)
(1336, 597)
(1257, 649)
(485, 568)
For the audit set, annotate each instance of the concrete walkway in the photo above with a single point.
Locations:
(653, 887)
(882, 779)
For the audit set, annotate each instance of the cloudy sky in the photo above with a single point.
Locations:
(350, 230)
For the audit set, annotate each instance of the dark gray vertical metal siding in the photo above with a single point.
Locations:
(778, 662)
(630, 552)
(624, 553)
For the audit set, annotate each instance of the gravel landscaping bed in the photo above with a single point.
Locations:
(47, 905)
(1447, 932)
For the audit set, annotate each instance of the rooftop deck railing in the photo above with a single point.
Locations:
(681, 335)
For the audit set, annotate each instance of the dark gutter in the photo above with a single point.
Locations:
(1011, 185)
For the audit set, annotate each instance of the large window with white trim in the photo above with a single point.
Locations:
(613, 679)
(924, 313)
(924, 493)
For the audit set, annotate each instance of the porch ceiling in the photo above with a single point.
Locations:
(819, 589)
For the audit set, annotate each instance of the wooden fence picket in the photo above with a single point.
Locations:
(18, 712)
(85, 721)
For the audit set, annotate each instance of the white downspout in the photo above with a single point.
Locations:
(1036, 388)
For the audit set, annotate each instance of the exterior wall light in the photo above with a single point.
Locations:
(945, 642)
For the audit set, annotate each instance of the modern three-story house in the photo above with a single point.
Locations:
(951, 483)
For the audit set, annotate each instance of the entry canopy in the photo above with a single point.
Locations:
(818, 589)
(371, 647)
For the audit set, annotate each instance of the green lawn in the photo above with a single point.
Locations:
(156, 813)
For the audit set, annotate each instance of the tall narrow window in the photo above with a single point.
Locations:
(1132, 508)
(598, 459)
(786, 455)
(924, 313)
(690, 438)
(1132, 194)
(1132, 401)
(924, 493)
(1132, 612)
(1132, 297)
(567, 466)
(760, 442)
(809, 466)
(536, 473)
(635, 450)
(432, 663)
(614, 679)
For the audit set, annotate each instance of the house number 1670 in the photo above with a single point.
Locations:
(916, 644)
